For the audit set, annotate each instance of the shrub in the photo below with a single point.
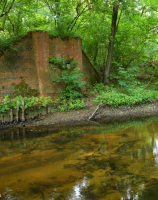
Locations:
(73, 84)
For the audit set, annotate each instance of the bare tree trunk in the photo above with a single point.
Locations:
(11, 115)
(23, 110)
(111, 45)
(17, 111)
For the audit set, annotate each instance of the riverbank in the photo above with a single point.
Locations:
(91, 114)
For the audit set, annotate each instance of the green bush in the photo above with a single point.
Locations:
(70, 98)
(126, 77)
(73, 84)
(7, 43)
(135, 97)
(98, 88)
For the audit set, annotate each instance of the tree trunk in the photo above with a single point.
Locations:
(111, 45)
(17, 111)
(11, 115)
(23, 110)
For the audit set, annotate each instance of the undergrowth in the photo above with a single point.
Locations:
(29, 102)
(71, 105)
(115, 98)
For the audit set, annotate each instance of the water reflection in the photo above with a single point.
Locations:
(76, 193)
(107, 162)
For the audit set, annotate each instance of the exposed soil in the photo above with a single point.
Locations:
(91, 114)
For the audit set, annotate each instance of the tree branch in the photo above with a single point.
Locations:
(12, 24)
(119, 19)
(6, 12)
(74, 21)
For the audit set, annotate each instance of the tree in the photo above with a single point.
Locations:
(5, 7)
(111, 43)
(114, 33)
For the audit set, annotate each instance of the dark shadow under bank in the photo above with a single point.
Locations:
(104, 115)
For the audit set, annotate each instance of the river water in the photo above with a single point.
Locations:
(117, 161)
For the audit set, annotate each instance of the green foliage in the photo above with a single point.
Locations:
(23, 89)
(2, 109)
(63, 63)
(71, 105)
(135, 42)
(98, 88)
(8, 43)
(6, 104)
(70, 78)
(37, 102)
(126, 77)
(135, 97)
(69, 99)
(72, 82)
(29, 102)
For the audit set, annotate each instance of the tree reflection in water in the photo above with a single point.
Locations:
(107, 162)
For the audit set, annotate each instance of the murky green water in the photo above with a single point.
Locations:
(108, 162)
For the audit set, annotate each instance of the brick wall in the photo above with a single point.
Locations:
(41, 52)
(31, 60)
(67, 48)
(16, 63)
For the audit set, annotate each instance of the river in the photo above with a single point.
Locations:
(116, 161)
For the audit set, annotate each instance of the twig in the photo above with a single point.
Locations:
(93, 113)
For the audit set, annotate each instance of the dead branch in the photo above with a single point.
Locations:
(94, 112)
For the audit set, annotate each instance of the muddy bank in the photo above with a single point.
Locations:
(90, 115)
